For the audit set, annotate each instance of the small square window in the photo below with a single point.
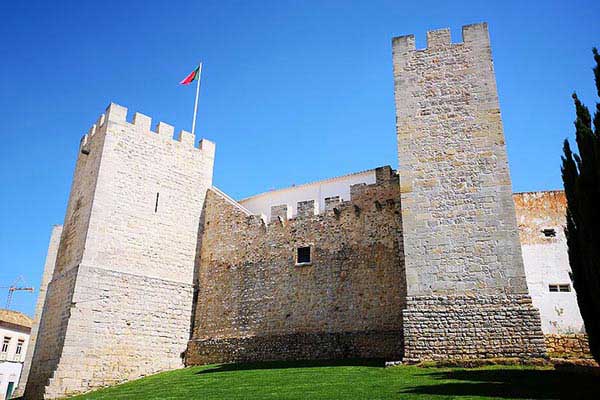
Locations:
(549, 232)
(553, 288)
(303, 255)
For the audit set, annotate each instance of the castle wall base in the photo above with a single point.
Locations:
(298, 346)
(471, 327)
(114, 327)
(568, 345)
(51, 334)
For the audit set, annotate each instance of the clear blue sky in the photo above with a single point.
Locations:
(293, 91)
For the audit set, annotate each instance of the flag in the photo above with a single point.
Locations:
(191, 77)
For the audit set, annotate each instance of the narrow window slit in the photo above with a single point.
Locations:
(156, 204)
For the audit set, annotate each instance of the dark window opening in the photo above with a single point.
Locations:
(156, 204)
(564, 288)
(549, 232)
(5, 344)
(303, 256)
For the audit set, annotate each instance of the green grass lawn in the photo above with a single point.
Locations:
(355, 379)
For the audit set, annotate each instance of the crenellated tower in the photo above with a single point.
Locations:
(466, 290)
(120, 300)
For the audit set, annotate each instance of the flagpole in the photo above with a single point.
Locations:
(196, 101)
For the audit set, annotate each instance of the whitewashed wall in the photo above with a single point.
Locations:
(546, 260)
(548, 264)
(10, 362)
(338, 186)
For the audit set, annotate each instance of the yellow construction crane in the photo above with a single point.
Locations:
(18, 285)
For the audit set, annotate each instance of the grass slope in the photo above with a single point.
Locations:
(353, 379)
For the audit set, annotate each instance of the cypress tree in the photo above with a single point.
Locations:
(581, 178)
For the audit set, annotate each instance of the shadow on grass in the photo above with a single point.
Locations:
(512, 383)
(376, 363)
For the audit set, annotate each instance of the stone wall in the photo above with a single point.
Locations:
(470, 327)
(120, 302)
(255, 303)
(574, 345)
(56, 310)
(52, 332)
(120, 327)
(541, 219)
(460, 232)
(46, 278)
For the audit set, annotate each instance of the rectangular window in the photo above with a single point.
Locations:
(561, 287)
(5, 344)
(549, 232)
(303, 255)
(564, 287)
(20, 346)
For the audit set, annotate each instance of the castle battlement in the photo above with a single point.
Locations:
(422, 263)
(441, 38)
(143, 123)
(384, 193)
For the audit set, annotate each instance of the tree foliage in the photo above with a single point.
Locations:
(581, 178)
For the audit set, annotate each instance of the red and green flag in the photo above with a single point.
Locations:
(195, 75)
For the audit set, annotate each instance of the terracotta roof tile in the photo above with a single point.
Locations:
(15, 318)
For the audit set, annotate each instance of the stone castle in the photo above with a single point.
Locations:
(155, 268)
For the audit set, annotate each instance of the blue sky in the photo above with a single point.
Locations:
(293, 91)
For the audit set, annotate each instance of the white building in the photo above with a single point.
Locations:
(15, 328)
(541, 220)
(318, 191)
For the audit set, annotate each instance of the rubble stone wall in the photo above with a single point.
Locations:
(568, 345)
(471, 327)
(255, 303)
(460, 232)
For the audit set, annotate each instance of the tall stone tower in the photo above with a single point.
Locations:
(466, 290)
(119, 303)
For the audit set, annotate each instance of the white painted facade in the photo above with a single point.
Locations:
(12, 357)
(545, 265)
(546, 260)
(261, 204)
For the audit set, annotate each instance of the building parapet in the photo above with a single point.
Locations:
(383, 193)
(438, 38)
(118, 114)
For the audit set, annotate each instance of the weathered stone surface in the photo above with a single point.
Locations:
(250, 290)
(307, 208)
(120, 300)
(460, 232)
(469, 327)
(568, 345)
(297, 346)
(279, 212)
(46, 278)
(458, 213)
